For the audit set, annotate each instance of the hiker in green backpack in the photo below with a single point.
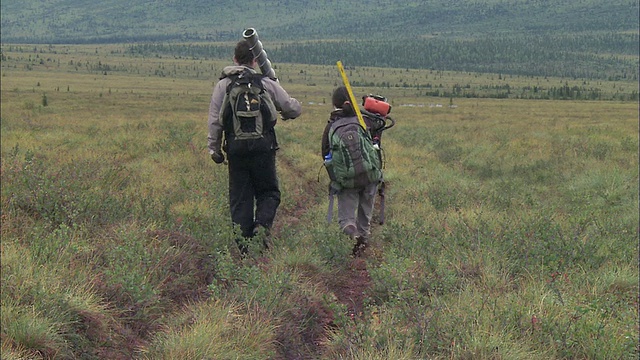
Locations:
(354, 168)
(246, 134)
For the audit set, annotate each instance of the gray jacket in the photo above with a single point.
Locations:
(288, 107)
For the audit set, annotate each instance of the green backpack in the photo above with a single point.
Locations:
(355, 162)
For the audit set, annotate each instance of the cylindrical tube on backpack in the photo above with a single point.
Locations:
(251, 35)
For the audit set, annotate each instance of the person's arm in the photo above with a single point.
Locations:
(325, 140)
(288, 106)
(215, 125)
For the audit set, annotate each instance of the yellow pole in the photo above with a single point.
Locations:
(354, 104)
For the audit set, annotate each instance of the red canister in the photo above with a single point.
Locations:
(376, 106)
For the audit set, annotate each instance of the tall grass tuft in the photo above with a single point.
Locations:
(215, 330)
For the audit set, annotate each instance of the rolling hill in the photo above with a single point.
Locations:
(579, 39)
(82, 21)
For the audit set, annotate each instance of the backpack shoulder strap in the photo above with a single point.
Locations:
(340, 123)
(244, 77)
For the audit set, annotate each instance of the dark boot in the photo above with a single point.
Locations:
(242, 246)
(263, 233)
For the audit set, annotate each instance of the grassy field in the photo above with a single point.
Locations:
(511, 225)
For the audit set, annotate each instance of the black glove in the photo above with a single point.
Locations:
(217, 158)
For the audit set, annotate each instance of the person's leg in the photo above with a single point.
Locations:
(241, 194)
(347, 206)
(366, 200)
(267, 190)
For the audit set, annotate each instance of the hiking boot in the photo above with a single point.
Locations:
(360, 246)
(262, 232)
(350, 230)
(242, 247)
(266, 242)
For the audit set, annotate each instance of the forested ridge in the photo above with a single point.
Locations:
(605, 56)
(81, 21)
(590, 39)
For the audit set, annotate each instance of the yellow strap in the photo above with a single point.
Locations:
(352, 99)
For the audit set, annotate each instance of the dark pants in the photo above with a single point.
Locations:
(253, 184)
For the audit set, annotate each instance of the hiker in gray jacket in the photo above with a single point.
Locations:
(253, 182)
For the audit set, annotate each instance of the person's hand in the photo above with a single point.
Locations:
(286, 117)
(217, 157)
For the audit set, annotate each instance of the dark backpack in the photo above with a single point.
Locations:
(248, 115)
(355, 162)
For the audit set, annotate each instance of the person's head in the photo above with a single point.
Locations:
(242, 54)
(340, 100)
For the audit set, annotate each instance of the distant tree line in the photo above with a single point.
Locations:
(506, 91)
(428, 84)
(593, 57)
(207, 51)
(604, 56)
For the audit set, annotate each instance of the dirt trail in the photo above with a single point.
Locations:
(351, 286)
(190, 271)
(351, 283)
